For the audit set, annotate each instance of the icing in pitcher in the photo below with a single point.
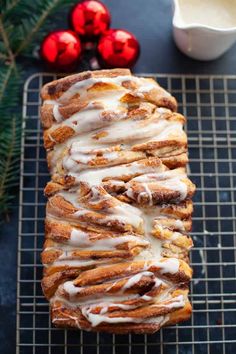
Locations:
(203, 29)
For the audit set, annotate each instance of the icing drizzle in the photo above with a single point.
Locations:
(105, 132)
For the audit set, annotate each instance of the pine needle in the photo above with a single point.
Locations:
(9, 5)
(5, 39)
(48, 8)
(5, 75)
(21, 24)
(10, 84)
(10, 138)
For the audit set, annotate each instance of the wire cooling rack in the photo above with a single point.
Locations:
(210, 105)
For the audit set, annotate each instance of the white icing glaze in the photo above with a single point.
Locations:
(62, 261)
(171, 266)
(152, 252)
(157, 320)
(57, 115)
(168, 179)
(180, 225)
(96, 319)
(71, 289)
(73, 318)
(146, 88)
(219, 14)
(100, 127)
(121, 212)
(80, 157)
(126, 213)
(176, 302)
(91, 118)
(95, 177)
(49, 102)
(81, 87)
(135, 130)
(147, 193)
(73, 292)
(81, 239)
(135, 279)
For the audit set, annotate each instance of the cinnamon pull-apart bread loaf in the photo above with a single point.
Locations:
(116, 253)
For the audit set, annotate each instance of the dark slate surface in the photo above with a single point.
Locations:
(150, 21)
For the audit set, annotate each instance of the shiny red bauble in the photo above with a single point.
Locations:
(118, 48)
(61, 50)
(89, 19)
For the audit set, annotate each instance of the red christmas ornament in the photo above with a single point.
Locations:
(90, 19)
(61, 50)
(118, 48)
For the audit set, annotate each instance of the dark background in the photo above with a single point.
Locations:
(150, 21)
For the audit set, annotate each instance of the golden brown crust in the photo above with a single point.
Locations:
(55, 88)
(116, 250)
(102, 274)
(65, 317)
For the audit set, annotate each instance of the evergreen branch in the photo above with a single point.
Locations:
(9, 100)
(21, 21)
(4, 80)
(9, 6)
(6, 43)
(51, 6)
(12, 5)
(3, 56)
(9, 161)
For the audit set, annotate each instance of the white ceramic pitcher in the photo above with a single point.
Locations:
(200, 41)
